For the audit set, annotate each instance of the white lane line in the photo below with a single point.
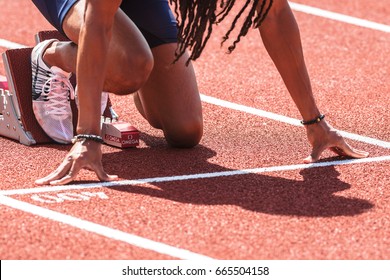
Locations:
(284, 119)
(340, 17)
(192, 176)
(10, 45)
(103, 230)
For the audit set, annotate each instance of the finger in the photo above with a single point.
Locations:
(308, 159)
(337, 151)
(315, 154)
(345, 149)
(102, 175)
(74, 170)
(108, 178)
(63, 181)
(58, 173)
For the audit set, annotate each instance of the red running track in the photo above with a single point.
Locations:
(337, 209)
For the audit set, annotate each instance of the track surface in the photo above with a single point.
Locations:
(230, 206)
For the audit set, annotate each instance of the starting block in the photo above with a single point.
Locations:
(17, 119)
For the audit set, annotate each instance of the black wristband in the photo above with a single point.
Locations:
(83, 137)
(313, 121)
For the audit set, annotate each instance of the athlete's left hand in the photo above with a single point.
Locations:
(322, 136)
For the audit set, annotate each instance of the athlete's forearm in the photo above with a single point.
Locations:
(281, 38)
(94, 40)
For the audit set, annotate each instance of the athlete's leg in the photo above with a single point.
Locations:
(170, 99)
(130, 60)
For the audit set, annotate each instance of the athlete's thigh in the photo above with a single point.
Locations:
(154, 19)
(130, 59)
(55, 11)
(170, 98)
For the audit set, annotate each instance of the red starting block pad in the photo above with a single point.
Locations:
(120, 134)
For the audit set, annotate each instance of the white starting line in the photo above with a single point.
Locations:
(47, 189)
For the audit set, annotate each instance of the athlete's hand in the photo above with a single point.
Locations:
(322, 136)
(86, 155)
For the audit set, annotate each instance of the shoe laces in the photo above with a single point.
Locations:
(56, 92)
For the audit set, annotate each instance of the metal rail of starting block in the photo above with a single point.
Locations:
(10, 124)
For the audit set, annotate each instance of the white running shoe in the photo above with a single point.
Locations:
(51, 92)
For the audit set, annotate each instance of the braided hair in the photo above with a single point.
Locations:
(197, 17)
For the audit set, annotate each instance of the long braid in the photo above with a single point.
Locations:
(245, 26)
(197, 17)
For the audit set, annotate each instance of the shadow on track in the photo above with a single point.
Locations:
(313, 196)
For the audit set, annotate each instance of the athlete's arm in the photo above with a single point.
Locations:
(282, 40)
(94, 40)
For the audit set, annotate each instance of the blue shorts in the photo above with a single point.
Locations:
(154, 18)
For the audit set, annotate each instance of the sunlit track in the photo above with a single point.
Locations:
(193, 176)
(288, 120)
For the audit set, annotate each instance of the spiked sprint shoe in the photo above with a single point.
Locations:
(51, 92)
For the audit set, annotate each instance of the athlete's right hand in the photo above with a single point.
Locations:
(86, 155)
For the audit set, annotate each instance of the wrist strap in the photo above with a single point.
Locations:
(83, 137)
(313, 121)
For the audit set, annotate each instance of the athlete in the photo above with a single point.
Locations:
(121, 48)
(128, 46)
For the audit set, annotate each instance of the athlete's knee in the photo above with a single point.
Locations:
(185, 135)
(133, 75)
(136, 78)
